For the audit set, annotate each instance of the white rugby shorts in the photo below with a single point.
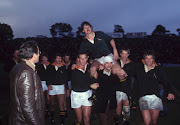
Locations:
(79, 99)
(150, 102)
(44, 86)
(57, 89)
(121, 96)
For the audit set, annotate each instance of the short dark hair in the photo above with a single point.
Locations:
(125, 49)
(66, 54)
(82, 53)
(44, 54)
(27, 49)
(58, 54)
(85, 23)
(149, 53)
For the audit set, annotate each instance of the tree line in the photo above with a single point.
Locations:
(166, 47)
(57, 29)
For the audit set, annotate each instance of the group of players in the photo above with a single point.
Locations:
(104, 80)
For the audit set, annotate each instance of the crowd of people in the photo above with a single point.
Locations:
(164, 47)
(98, 78)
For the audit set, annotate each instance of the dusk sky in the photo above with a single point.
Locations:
(29, 18)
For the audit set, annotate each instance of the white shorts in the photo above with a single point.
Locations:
(56, 90)
(121, 96)
(44, 86)
(101, 60)
(69, 85)
(150, 102)
(79, 99)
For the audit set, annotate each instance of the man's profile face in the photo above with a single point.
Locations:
(36, 56)
(66, 59)
(108, 66)
(83, 59)
(87, 29)
(16, 53)
(148, 60)
(58, 59)
(124, 55)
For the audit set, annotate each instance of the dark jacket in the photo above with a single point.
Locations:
(148, 82)
(106, 92)
(69, 71)
(26, 96)
(58, 77)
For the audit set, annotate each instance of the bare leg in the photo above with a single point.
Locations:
(61, 102)
(154, 116)
(52, 102)
(47, 96)
(119, 108)
(146, 114)
(126, 103)
(47, 102)
(78, 113)
(86, 114)
(47, 99)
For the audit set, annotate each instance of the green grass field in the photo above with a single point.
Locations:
(173, 117)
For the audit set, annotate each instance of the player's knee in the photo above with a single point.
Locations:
(79, 120)
(126, 110)
(154, 121)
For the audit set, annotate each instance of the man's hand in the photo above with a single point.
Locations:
(68, 91)
(101, 67)
(49, 87)
(170, 96)
(94, 85)
(118, 70)
(73, 66)
(122, 72)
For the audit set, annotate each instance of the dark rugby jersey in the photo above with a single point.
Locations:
(80, 80)
(148, 82)
(42, 72)
(100, 46)
(56, 77)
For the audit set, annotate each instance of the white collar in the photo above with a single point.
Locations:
(92, 41)
(122, 64)
(107, 73)
(84, 69)
(146, 69)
